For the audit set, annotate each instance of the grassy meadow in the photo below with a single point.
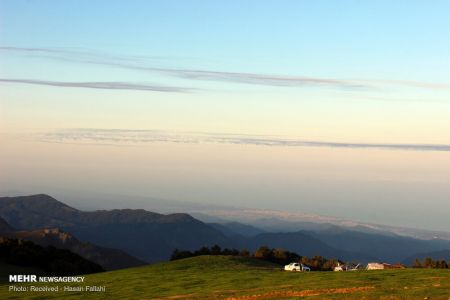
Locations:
(220, 277)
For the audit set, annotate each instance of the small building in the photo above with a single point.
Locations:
(375, 266)
(394, 266)
(383, 266)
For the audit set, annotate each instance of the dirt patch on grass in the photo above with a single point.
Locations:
(305, 293)
(272, 295)
(180, 296)
(252, 289)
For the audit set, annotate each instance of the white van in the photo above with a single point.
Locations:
(296, 267)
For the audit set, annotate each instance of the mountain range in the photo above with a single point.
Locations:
(146, 235)
(152, 237)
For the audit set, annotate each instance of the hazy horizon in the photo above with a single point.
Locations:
(339, 109)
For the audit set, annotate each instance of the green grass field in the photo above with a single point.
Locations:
(219, 277)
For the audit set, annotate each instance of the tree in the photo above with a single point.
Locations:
(263, 252)
(417, 263)
(329, 264)
(280, 255)
(215, 250)
(232, 252)
(202, 251)
(180, 254)
(442, 264)
(428, 263)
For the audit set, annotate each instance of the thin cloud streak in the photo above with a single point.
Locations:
(416, 84)
(100, 85)
(41, 50)
(259, 79)
(139, 137)
(140, 63)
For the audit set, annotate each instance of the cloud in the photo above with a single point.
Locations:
(22, 49)
(143, 64)
(411, 83)
(139, 137)
(115, 85)
(259, 79)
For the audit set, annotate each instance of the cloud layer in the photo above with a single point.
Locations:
(144, 64)
(101, 85)
(141, 63)
(136, 137)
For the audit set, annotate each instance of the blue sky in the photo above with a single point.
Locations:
(346, 39)
(372, 76)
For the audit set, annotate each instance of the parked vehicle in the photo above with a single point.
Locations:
(296, 267)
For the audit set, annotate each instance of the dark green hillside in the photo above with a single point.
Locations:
(50, 260)
(109, 259)
(8, 269)
(224, 277)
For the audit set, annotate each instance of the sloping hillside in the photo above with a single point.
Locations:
(50, 260)
(219, 277)
(109, 259)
